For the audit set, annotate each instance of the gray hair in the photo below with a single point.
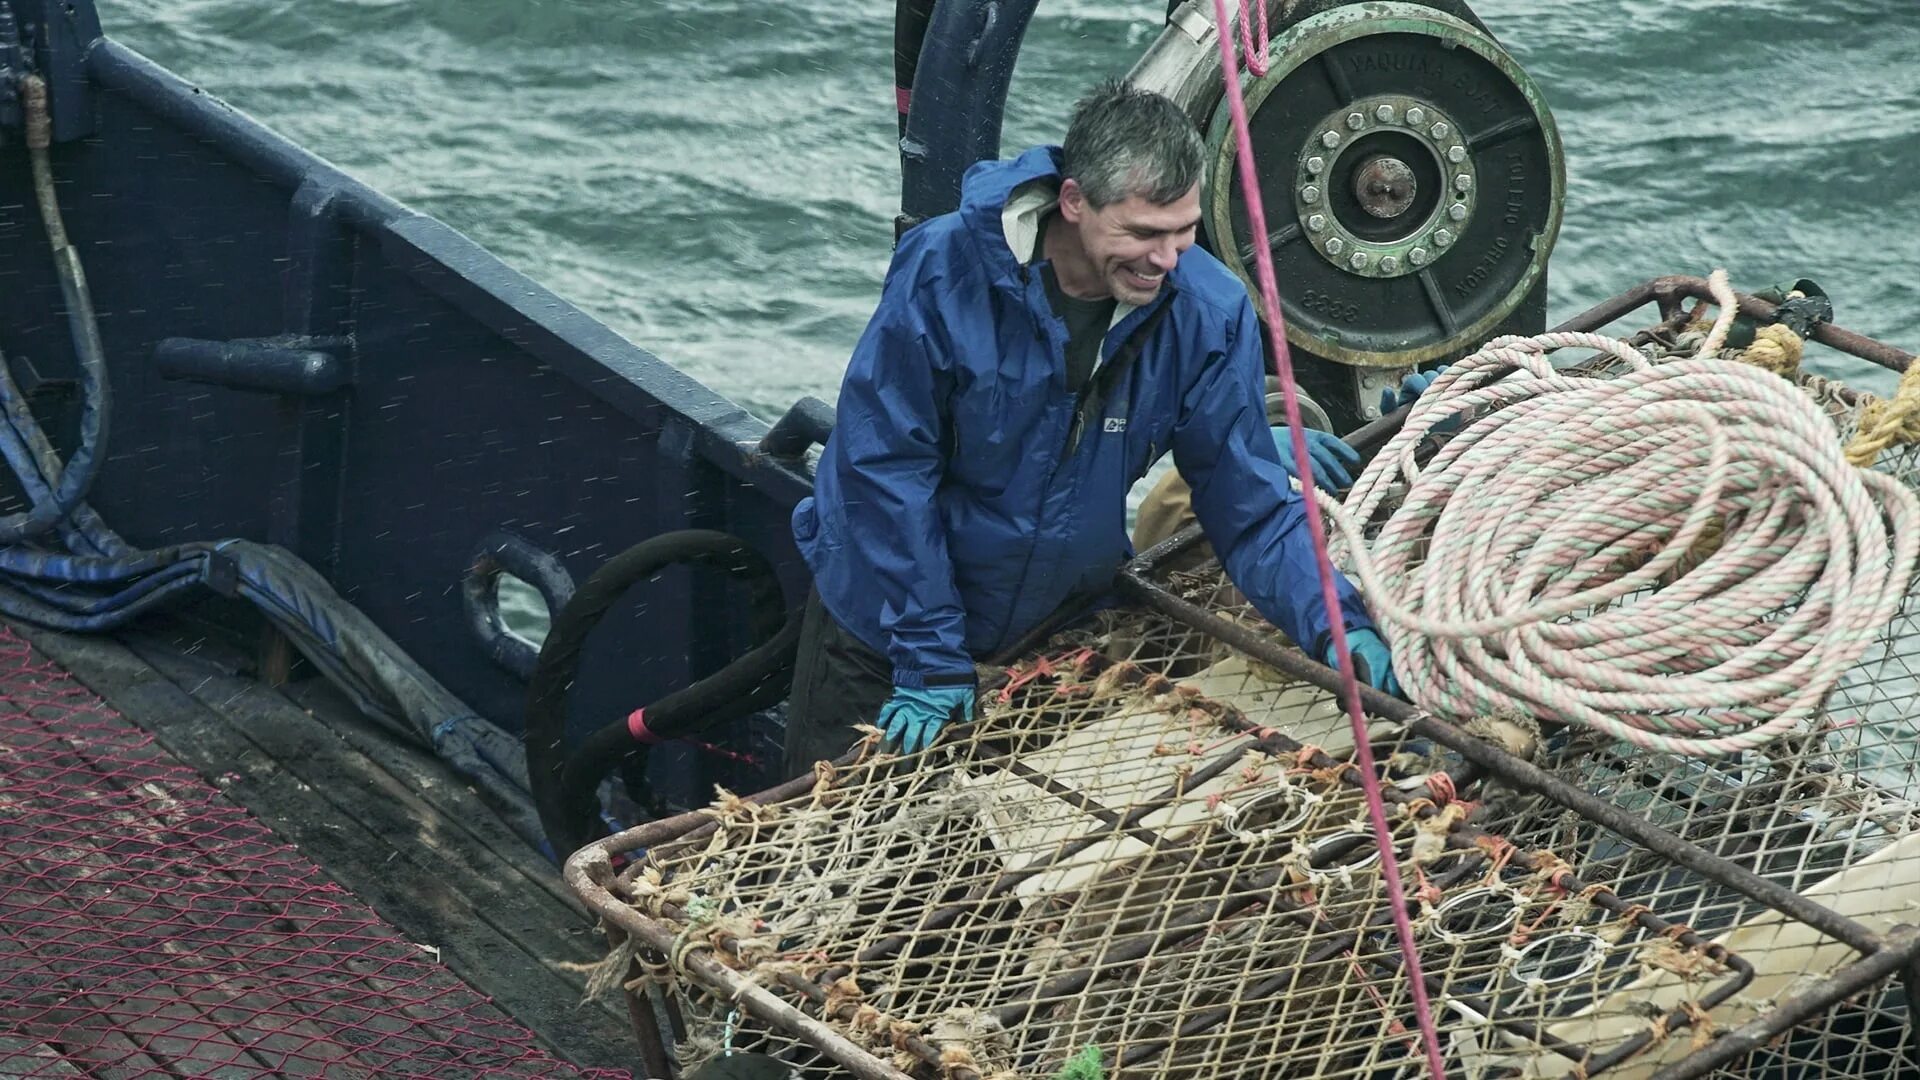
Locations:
(1124, 141)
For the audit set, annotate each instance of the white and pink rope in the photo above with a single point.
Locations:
(1531, 565)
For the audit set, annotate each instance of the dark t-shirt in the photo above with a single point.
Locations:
(1087, 322)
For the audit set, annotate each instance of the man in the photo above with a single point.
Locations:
(1032, 354)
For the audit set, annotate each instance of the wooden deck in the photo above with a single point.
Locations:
(391, 825)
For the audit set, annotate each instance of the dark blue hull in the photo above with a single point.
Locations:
(476, 403)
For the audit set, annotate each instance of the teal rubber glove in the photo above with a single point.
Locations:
(1411, 388)
(912, 718)
(1372, 661)
(1333, 460)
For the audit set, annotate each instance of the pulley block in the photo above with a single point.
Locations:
(1412, 177)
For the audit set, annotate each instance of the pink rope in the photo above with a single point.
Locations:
(1350, 685)
(1256, 59)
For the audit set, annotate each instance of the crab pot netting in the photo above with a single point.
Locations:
(1115, 857)
(1828, 812)
(1831, 811)
(1152, 844)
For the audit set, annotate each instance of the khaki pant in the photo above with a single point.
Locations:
(1168, 508)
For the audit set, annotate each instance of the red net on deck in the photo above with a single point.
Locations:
(151, 928)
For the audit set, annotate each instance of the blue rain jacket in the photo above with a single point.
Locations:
(965, 493)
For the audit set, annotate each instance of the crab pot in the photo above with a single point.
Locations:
(1154, 843)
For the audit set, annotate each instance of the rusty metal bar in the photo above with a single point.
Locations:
(1512, 770)
(1667, 292)
(589, 872)
(1902, 946)
(646, 1028)
(1834, 337)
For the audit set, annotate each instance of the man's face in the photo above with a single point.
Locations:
(1131, 244)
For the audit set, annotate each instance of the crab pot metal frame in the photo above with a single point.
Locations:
(1882, 957)
(1878, 956)
(591, 874)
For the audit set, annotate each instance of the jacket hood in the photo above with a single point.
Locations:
(1001, 203)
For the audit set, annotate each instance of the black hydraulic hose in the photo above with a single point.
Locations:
(758, 680)
(565, 784)
(96, 400)
(910, 19)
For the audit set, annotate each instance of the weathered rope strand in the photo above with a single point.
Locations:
(1548, 558)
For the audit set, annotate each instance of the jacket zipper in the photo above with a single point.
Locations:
(1123, 359)
(1026, 564)
(1108, 374)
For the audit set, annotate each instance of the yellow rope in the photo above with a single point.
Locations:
(1775, 348)
(1883, 422)
(1888, 422)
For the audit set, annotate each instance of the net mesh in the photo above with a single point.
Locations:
(1828, 812)
(151, 928)
(1151, 844)
(1114, 858)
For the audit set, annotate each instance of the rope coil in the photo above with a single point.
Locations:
(1524, 569)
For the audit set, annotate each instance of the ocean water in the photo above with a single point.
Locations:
(717, 179)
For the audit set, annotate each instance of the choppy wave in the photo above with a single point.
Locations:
(717, 179)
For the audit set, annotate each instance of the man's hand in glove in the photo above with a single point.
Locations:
(1372, 661)
(913, 718)
(1333, 459)
(1411, 388)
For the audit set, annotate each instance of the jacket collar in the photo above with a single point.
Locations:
(1005, 203)
(1026, 209)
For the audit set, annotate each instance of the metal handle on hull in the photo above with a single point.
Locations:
(295, 365)
(807, 423)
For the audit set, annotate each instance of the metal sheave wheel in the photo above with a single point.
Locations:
(1413, 181)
